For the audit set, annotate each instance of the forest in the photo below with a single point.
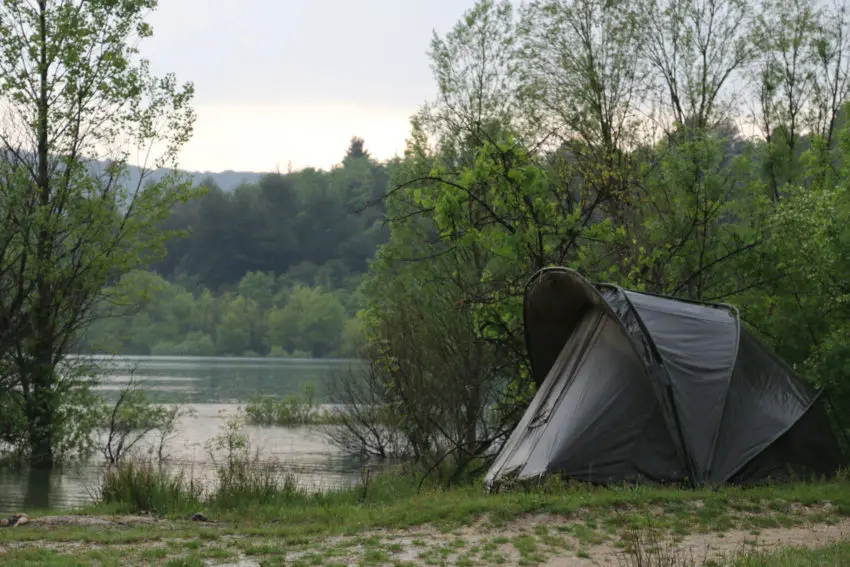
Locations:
(270, 268)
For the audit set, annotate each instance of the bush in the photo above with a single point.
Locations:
(195, 344)
(242, 479)
(242, 476)
(291, 410)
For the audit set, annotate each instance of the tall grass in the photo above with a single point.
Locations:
(241, 479)
(143, 486)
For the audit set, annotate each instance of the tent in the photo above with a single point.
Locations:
(643, 388)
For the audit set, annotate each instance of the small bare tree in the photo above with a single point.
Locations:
(367, 421)
(132, 418)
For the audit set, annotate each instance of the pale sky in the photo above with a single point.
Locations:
(291, 81)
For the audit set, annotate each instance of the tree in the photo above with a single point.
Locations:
(310, 322)
(580, 58)
(76, 90)
(695, 49)
(786, 68)
(831, 51)
(357, 149)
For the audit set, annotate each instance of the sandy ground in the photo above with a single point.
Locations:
(693, 549)
(551, 541)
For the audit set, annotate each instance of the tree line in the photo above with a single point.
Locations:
(263, 315)
(316, 227)
(270, 269)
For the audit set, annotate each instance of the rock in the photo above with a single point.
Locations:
(14, 520)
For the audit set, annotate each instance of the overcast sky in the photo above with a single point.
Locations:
(280, 81)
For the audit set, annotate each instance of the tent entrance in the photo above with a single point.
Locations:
(515, 454)
(589, 418)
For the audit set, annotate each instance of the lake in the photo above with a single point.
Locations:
(214, 388)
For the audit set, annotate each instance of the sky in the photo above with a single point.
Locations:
(287, 83)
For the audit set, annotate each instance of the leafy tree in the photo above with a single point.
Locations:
(258, 287)
(75, 88)
(311, 322)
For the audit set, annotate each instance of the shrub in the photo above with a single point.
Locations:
(291, 410)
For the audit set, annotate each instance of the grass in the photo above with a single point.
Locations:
(142, 487)
(254, 495)
(274, 523)
(832, 555)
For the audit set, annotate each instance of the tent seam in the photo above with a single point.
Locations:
(737, 469)
(737, 315)
(668, 387)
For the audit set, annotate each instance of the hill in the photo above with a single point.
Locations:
(227, 180)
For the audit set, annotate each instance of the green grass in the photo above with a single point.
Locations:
(254, 497)
(831, 555)
(259, 516)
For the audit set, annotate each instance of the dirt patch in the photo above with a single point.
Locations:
(106, 521)
(699, 548)
(549, 540)
(555, 541)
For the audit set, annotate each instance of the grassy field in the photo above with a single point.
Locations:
(145, 520)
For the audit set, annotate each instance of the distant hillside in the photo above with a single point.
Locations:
(227, 180)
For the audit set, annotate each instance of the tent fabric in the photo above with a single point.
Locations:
(634, 386)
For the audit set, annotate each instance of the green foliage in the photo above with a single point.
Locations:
(317, 228)
(72, 77)
(291, 410)
(311, 321)
(263, 316)
(142, 486)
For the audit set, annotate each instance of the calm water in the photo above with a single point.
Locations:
(214, 389)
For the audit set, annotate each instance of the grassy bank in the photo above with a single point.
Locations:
(264, 520)
(257, 494)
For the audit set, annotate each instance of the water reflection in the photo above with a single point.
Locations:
(202, 384)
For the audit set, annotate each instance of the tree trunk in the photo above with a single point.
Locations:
(40, 415)
(42, 405)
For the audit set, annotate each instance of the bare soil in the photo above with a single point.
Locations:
(553, 541)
